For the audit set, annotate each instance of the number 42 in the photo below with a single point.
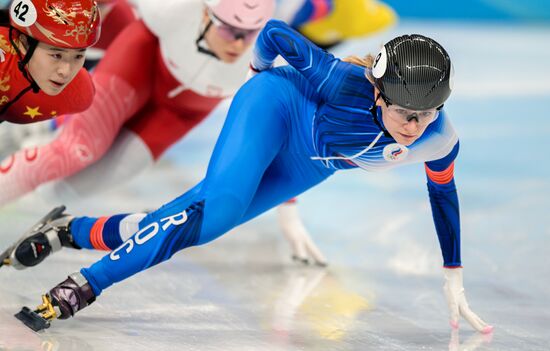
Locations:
(21, 10)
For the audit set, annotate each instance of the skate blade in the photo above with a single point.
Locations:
(5, 262)
(32, 319)
(5, 259)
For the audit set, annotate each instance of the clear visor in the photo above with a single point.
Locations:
(230, 33)
(403, 115)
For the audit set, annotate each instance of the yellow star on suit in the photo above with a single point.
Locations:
(33, 112)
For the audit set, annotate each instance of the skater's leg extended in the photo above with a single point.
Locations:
(251, 138)
(109, 232)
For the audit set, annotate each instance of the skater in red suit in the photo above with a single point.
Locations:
(158, 79)
(42, 48)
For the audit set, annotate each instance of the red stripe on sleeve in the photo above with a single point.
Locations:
(96, 234)
(442, 177)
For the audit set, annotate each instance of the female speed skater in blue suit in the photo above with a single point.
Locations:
(287, 130)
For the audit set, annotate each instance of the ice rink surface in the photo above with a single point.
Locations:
(383, 287)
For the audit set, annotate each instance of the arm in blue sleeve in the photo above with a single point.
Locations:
(445, 207)
(321, 69)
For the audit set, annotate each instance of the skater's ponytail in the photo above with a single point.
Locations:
(367, 62)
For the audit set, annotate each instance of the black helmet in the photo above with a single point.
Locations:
(413, 71)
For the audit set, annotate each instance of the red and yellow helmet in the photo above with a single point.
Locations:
(73, 24)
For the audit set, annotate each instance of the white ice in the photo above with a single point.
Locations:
(383, 287)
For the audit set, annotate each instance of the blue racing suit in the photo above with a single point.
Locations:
(287, 130)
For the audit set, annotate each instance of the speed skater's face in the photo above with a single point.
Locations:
(227, 42)
(405, 125)
(53, 68)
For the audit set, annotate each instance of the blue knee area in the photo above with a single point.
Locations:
(166, 234)
(221, 214)
(183, 201)
(80, 229)
(178, 237)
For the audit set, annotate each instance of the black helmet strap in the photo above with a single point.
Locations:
(24, 60)
(201, 48)
(374, 112)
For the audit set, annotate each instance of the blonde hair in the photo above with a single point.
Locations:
(367, 62)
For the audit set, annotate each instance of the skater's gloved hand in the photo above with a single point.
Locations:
(458, 306)
(303, 247)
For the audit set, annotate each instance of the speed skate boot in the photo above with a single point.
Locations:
(61, 302)
(49, 235)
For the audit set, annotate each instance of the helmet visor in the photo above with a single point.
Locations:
(403, 115)
(231, 33)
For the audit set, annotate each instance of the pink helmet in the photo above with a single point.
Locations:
(242, 14)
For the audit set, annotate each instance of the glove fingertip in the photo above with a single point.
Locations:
(300, 259)
(321, 263)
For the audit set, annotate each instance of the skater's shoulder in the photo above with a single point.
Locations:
(8, 55)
